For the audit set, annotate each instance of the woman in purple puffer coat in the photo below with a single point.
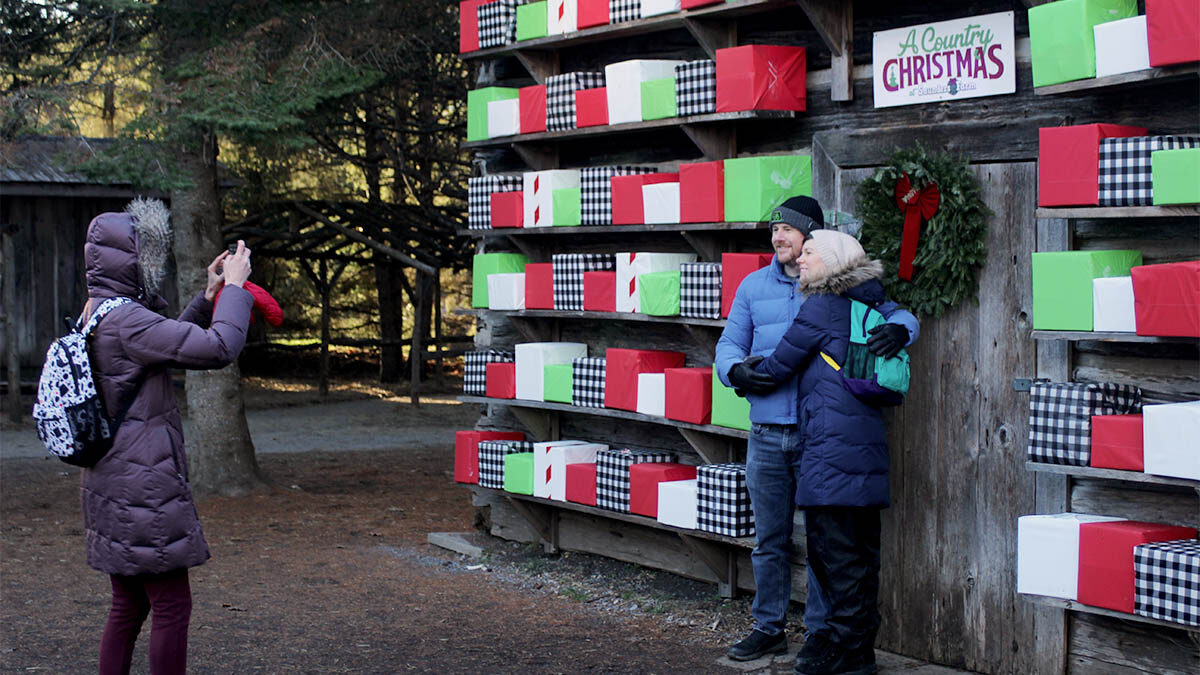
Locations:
(141, 525)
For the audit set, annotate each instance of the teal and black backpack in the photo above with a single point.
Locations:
(873, 379)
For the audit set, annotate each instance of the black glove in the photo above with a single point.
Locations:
(887, 339)
(743, 377)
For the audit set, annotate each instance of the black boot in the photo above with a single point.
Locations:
(833, 659)
(758, 644)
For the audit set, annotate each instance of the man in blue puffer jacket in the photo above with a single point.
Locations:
(763, 309)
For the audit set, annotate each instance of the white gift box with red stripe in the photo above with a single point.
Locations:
(562, 16)
(630, 265)
(550, 460)
(538, 194)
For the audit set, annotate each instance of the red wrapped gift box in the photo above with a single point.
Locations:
(734, 268)
(1106, 559)
(688, 4)
(1172, 27)
(581, 483)
(1117, 442)
(644, 478)
(600, 291)
(539, 285)
(468, 25)
(1166, 299)
(592, 13)
(702, 192)
(627, 196)
(761, 77)
(621, 368)
(506, 209)
(689, 395)
(1069, 162)
(501, 380)
(466, 451)
(591, 107)
(532, 101)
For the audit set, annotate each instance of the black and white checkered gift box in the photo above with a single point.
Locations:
(475, 369)
(479, 198)
(1125, 167)
(560, 97)
(696, 88)
(612, 474)
(568, 276)
(587, 381)
(497, 23)
(723, 500)
(1166, 580)
(700, 290)
(624, 10)
(1060, 417)
(491, 460)
(595, 184)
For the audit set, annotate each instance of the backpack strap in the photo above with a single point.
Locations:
(108, 305)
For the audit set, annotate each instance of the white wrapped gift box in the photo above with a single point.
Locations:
(1169, 439)
(504, 117)
(624, 82)
(506, 291)
(656, 7)
(630, 265)
(660, 203)
(562, 16)
(677, 503)
(538, 194)
(652, 394)
(1112, 305)
(532, 359)
(550, 462)
(1121, 46)
(1048, 553)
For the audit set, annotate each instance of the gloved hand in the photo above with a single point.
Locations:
(887, 339)
(744, 378)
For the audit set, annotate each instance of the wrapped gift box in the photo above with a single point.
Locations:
(518, 473)
(501, 380)
(1060, 417)
(506, 209)
(1117, 442)
(696, 88)
(690, 4)
(538, 195)
(591, 107)
(1106, 559)
(627, 205)
(550, 460)
(491, 460)
(581, 483)
(1125, 174)
(539, 286)
(1171, 28)
(533, 20)
(475, 369)
(566, 207)
(497, 23)
(658, 98)
(533, 108)
(479, 197)
(560, 97)
(734, 268)
(1062, 42)
(700, 290)
(587, 382)
(754, 186)
(466, 451)
(623, 367)
(660, 203)
(658, 293)
(657, 7)
(644, 479)
(1169, 433)
(1164, 577)
(624, 10)
(651, 394)
(632, 265)
(596, 185)
(702, 192)
(1173, 174)
(1112, 305)
(612, 474)
(468, 25)
(558, 383)
(1069, 162)
(625, 86)
(1062, 285)
(477, 109)
(761, 77)
(532, 359)
(504, 117)
(1048, 553)
(569, 269)
(1121, 46)
(506, 291)
(562, 16)
(689, 394)
(486, 264)
(1166, 299)
(677, 503)
(592, 13)
(600, 291)
(728, 409)
(722, 500)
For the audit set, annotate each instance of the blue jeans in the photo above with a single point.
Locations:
(772, 469)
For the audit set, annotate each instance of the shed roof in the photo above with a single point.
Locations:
(45, 159)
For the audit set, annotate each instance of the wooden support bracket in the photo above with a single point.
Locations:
(541, 64)
(712, 34)
(721, 560)
(543, 424)
(543, 520)
(537, 156)
(706, 337)
(715, 141)
(534, 250)
(713, 449)
(834, 21)
(537, 328)
(706, 244)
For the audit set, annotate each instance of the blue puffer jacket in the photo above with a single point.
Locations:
(763, 309)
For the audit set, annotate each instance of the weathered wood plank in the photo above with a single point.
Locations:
(1101, 644)
(1150, 503)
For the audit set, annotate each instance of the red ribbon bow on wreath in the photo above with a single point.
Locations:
(917, 205)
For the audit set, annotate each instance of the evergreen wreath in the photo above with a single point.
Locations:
(952, 243)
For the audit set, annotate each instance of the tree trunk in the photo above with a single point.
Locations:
(220, 451)
(391, 318)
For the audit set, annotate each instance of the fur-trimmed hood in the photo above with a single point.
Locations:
(854, 274)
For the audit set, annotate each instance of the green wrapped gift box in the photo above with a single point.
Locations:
(1175, 176)
(1062, 285)
(518, 473)
(532, 20)
(557, 383)
(487, 264)
(658, 99)
(754, 186)
(659, 292)
(477, 109)
(567, 206)
(1062, 43)
(729, 409)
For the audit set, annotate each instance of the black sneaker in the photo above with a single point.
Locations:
(758, 644)
(816, 645)
(832, 659)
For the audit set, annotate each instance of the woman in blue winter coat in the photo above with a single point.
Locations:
(844, 469)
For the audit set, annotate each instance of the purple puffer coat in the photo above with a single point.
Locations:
(137, 507)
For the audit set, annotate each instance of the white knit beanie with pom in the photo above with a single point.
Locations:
(152, 222)
(838, 250)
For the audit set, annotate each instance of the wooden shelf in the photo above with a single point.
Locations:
(1075, 606)
(1079, 336)
(609, 229)
(602, 316)
(1099, 212)
(1124, 80)
(1111, 474)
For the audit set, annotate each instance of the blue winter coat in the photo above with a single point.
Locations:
(843, 441)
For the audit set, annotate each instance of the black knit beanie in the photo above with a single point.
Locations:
(802, 213)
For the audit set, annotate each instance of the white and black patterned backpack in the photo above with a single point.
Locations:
(69, 413)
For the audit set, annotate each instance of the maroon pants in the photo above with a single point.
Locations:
(169, 597)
